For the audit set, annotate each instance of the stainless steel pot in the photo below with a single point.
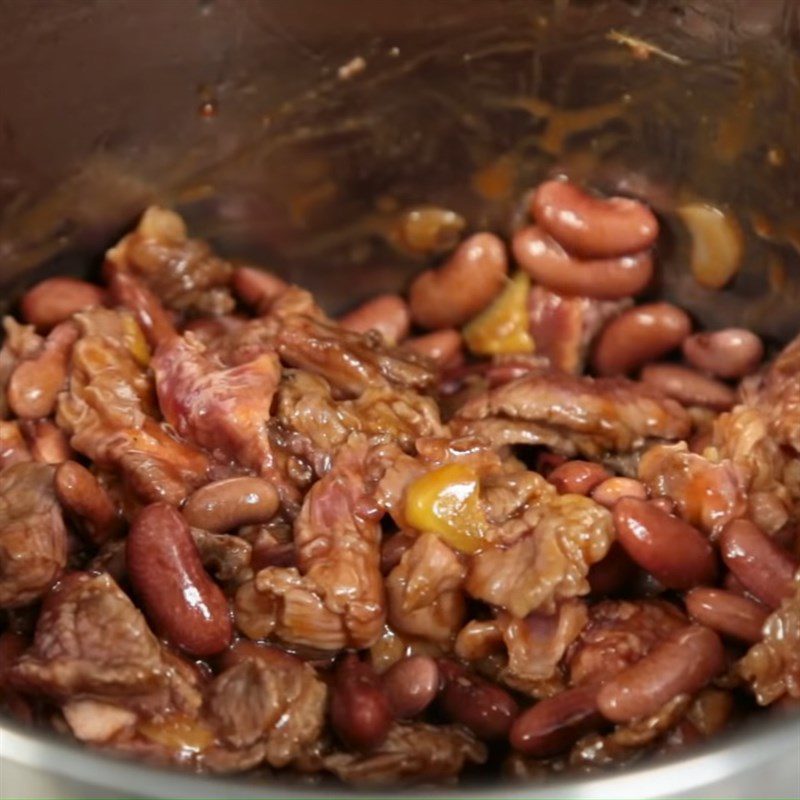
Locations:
(297, 132)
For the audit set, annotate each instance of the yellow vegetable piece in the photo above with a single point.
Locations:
(446, 502)
(179, 733)
(502, 328)
(135, 341)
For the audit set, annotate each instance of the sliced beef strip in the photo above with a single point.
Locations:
(573, 415)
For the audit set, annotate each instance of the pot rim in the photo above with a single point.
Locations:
(745, 748)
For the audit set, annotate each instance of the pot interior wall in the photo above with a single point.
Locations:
(294, 133)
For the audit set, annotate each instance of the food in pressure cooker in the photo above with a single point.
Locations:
(517, 520)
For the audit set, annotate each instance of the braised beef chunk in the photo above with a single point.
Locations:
(91, 642)
(110, 411)
(281, 704)
(385, 550)
(425, 590)
(33, 539)
(182, 272)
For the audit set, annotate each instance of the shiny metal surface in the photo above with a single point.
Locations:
(762, 762)
(294, 132)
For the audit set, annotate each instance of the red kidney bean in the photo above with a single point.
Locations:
(614, 574)
(465, 284)
(360, 712)
(786, 536)
(13, 447)
(83, 495)
(483, 707)
(55, 300)
(611, 490)
(639, 335)
(729, 353)
(727, 613)
(392, 549)
(547, 462)
(227, 504)
(688, 386)
(257, 287)
(178, 595)
(673, 551)
(128, 291)
(577, 477)
(604, 279)
(387, 314)
(47, 442)
(411, 685)
(593, 227)
(764, 569)
(733, 585)
(35, 383)
(665, 504)
(444, 347)
(682, 664)
(12, 646)
(553, 725)
(510, 369)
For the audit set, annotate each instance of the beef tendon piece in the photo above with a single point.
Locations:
(412, 753)
(573, 415)
(280, 704)
(777, 394)
(92, 643)
(350, 362)
(110, 413)
(768, 470)
(33, 539)
(772, 667)
(425, 592)
(708, 494)
(549, 564)
(761, 437)
(335, 598)
(309, 423)
(184, 273)
(222, 409)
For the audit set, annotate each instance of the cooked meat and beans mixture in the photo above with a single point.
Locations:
(512, 522)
